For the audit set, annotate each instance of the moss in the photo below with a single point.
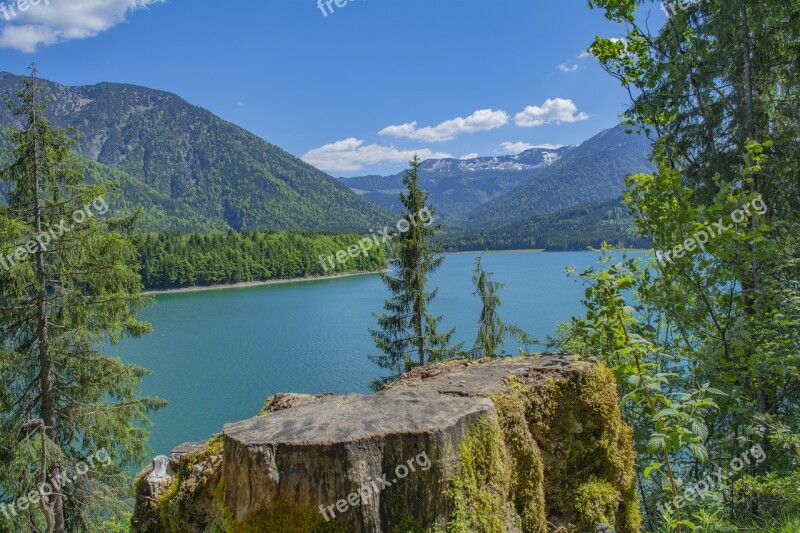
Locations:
(629, 517)
(596, 502)
(409, 525)
(221, 517)
(328, 527)
(283, 517)
(164, 506)
(527, 482)
(590, 460)
(481, 489)
(267, 406)
(558, 451)
(180, 507)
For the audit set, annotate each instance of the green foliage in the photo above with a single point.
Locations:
(171, 260)
(63, 399)
(492, 332)
(408, 334)
(718, 320)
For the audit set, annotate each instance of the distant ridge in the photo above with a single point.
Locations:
(458, 186)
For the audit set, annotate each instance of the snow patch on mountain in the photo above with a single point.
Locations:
(534, 158)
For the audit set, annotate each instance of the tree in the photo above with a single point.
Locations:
(408, 334)
(704, 337)
(66, 285)
(492, 332)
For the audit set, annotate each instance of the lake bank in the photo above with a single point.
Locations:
(249, 284)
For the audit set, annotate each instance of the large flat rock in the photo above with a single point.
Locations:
(513, 442)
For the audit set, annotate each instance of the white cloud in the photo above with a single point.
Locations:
(513, 148)
(584, 54)
(564, 68)
(481, 120)
(519, 147)
(473, 155)
(548, 146)
(53, 21)
(554, 110)
(352, 154)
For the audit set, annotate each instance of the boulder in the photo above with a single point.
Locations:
(526, 444)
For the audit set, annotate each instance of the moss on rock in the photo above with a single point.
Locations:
(481, 489)
(588, 450)
(558, 451)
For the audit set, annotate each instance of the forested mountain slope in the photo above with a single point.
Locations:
(592, 172)
(206, 172)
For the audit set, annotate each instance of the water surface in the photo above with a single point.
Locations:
(217, 355)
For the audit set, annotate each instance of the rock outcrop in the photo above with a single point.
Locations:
(531, 444)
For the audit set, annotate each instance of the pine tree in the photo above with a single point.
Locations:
(492, 332)
(409, 335)
(66, 285)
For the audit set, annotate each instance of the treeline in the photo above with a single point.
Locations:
(573, 229)
(172, 260)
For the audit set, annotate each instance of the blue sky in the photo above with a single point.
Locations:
(354, 91)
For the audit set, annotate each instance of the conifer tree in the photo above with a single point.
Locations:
(409, 335)
(492, 332)
(66, 286)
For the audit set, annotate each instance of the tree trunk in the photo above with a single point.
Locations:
(45, 363)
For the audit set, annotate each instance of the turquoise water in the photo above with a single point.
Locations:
(217, 355)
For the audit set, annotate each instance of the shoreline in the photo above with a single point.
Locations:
(250, 284)
(526, 250)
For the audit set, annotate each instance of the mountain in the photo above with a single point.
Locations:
(574, 228)
(592, 172)
(458, 186)
(190, 169)
(563, 199)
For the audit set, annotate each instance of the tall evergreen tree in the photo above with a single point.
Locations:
(409, 335)
(66, 285)
(492, 332)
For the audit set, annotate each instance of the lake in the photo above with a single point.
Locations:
(217, 355)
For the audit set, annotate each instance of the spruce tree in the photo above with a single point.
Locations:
(67, 285)
(409, 335)
(492, 332)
